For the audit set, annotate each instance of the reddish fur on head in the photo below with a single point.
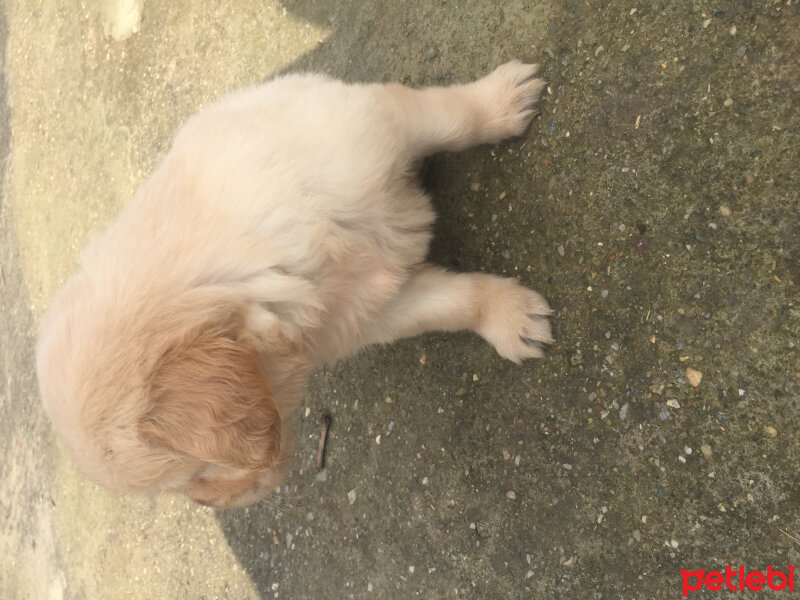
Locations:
(168, 395)
(209, 401)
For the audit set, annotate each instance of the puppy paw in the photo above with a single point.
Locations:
(508, 94)
(515, 321)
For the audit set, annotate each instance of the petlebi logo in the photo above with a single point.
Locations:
(738, 579)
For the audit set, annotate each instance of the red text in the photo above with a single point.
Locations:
(738, 579)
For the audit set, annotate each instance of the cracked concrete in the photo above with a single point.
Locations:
(654, 202)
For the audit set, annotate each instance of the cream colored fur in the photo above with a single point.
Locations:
(284, 227)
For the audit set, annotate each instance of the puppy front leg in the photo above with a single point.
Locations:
(507, 315)
(435, 119)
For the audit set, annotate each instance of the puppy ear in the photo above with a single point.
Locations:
(211, 402)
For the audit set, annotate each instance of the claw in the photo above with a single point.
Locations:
(536, 317)
(533, 343)
(531, 77)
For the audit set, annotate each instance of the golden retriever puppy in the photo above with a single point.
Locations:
(284, 229)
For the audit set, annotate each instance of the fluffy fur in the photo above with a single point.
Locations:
(284, 229)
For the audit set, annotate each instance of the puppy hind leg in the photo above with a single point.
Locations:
(509, 316)
(436, 119)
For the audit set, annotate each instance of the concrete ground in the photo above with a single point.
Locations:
(654, 202)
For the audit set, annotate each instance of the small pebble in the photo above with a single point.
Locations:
(694, 377)
(351, 496)
(725, 211)
(378, 440)
(568, 466)
(741, 51)
(623, 412)
(664, 414)
(604, 293)
(511, 495)
(728, 102)
(561, 250)
(706, 450)
(770, 431)
(673, 404)
(687, 449)
(682, 460)
(674, 544)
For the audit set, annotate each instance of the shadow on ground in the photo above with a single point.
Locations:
(655, 204)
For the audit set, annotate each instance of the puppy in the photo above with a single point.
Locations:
(284, 229)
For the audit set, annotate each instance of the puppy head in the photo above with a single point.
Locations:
(210, 405)
(166, 398)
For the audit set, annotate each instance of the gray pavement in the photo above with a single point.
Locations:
(655, 202)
